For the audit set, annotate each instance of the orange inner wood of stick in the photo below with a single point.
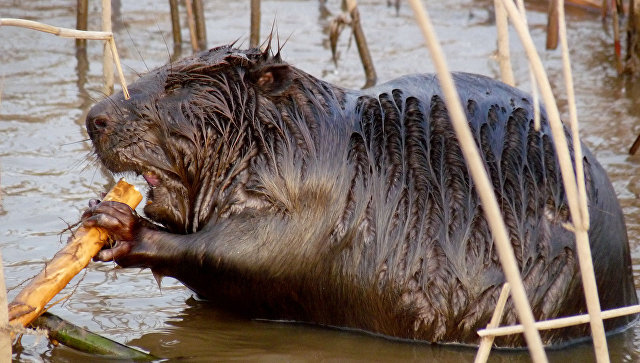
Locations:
(68, 262)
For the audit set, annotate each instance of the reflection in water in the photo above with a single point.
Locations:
(116, 15)
(632, 93)
(82, 69)
(44, 100)
(202, 331)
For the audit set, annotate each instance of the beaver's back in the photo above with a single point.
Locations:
(433, 248)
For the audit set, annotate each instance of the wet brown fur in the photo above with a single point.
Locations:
(285, 197)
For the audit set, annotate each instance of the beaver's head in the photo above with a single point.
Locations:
(187, 129)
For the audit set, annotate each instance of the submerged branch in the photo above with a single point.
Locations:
(85, 341)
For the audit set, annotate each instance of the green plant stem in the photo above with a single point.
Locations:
(83, 340)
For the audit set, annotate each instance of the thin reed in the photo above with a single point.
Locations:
(482, 184)
(76, 34)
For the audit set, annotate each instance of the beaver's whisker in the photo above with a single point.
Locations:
(135, 46)
(166, 45)
(76, 142)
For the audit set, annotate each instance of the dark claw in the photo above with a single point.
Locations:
(119, 220)
(111, 254)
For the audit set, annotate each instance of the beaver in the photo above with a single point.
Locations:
(280, 196)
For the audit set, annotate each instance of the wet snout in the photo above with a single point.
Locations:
(114, 111)
(100, 118)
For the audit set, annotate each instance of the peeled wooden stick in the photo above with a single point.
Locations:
(68, 262)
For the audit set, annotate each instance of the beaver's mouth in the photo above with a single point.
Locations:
(127, 168)
(151, 178)
(164, 205)
(155, 188)
(163, 208)
(153, 181)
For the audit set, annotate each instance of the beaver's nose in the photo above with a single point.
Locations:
(98, 120)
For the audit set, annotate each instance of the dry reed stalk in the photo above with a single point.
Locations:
(552, 25)
(114, 51)
(582, 236)
(107, 65)
(61, 32)
(573, 113)
(635, 146)
(68, 262)
(361, 43)
(487, 341)
(5, 335)
(82, 17)
(632, 58)
(616, 38)
(504, 58)
(175, 23)
(552, 113)
(559, 323)
(482, 183)
(201, 29)
(192, 25)
(577, 219)
(534, 84)
(254, 37)
(72, 33)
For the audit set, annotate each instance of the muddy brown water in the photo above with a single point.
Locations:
(47, 174)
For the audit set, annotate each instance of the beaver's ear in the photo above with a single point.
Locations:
(272, 79)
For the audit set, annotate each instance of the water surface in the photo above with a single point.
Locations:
(47, 174)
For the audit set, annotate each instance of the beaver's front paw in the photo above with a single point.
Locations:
(120, 221)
